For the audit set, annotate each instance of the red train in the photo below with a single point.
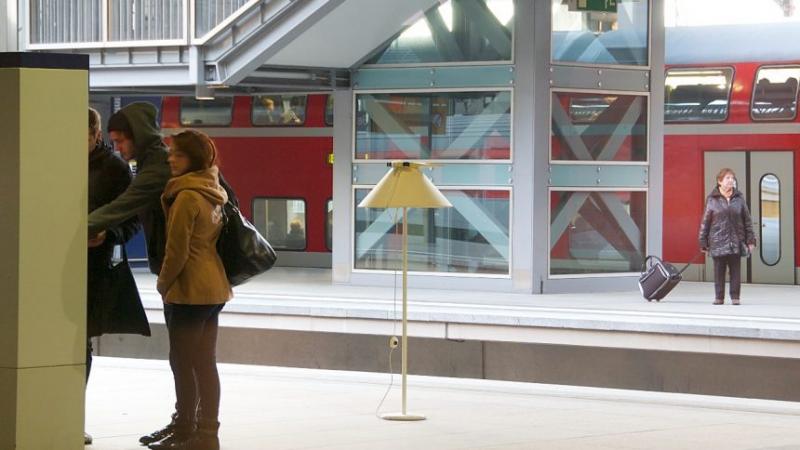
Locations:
(720, 112)
(276, 151)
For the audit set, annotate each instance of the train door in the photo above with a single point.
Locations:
(767, 180)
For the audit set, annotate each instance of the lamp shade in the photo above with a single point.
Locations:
(405, 186)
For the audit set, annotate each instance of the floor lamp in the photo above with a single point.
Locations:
(404, 186)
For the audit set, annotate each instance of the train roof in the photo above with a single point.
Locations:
(733, 43)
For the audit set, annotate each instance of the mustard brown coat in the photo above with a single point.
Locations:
(192, 272)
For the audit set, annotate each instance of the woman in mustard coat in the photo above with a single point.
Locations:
(194, 288)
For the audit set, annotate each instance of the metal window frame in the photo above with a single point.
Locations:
(753, 93)
(305, 219)
(509, 160)
(552, 161)
(507, 275)
(645, 67)
(550, 276)
(695, 68)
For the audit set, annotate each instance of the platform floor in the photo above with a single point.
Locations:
(767, 312)
(279, 408)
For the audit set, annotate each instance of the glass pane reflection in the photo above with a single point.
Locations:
(598, 127)
(592, 37)
(470, 237)
(770, 196)
(597, 232)
(441, 125)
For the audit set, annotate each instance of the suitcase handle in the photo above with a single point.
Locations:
(691, 261)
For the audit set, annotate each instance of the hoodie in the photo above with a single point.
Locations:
(192, 272)
(142, 197)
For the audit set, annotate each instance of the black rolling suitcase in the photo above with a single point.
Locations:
(659, 278)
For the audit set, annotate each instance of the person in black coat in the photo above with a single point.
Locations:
(113, 303)
(726, 234)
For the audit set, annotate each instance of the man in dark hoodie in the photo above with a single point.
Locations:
(136, 135)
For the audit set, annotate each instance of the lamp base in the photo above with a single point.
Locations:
(402, 417)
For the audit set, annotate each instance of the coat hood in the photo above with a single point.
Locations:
(204, 182)
(142, 118)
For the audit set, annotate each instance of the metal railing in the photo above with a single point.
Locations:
(210, 13)
(54, 23)
(57, 21)
(145, 20)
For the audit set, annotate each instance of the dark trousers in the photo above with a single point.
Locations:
(193, 358)
(721, 265)
(89, 350)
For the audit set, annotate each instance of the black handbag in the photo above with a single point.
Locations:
(244, 252)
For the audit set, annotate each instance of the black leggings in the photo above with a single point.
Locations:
(193, 358)
(721, 264)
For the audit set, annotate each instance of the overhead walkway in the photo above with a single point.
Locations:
(297, 317)
(187, 45)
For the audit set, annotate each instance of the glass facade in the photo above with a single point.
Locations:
(697, 95)
(206, 113)
(597, 232)
(279, 110)
(455, 31)
(282, 221)
(613, 35)
(598, 127)
(471, 237)
(436, 125)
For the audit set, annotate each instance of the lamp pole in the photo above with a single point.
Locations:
(404, 349)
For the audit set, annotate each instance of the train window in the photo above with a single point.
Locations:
(282, 221)
(279, 110)
(775, 93)
(329, 224)
(206, 113)
(598, 127)
(434, 125)
(770, 212)
(697, 95)
(329, 111)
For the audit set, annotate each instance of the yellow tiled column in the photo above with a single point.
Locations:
(43, 208)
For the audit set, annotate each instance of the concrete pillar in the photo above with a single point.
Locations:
(341, 260)
(43, 193)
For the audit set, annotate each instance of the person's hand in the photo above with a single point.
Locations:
(97, 240)
(751, 247)
(704, 250)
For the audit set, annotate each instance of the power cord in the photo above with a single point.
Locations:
(393, 339)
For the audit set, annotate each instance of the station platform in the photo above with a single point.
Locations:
(284, 408)
(299, 318)
(307, 300)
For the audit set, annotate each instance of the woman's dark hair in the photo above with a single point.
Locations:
(119, 123)
(198, 147)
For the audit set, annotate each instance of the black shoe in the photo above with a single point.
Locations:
(87, 438)
(181, 439)
(161, 434)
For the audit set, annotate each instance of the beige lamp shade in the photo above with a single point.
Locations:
(405, 186)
